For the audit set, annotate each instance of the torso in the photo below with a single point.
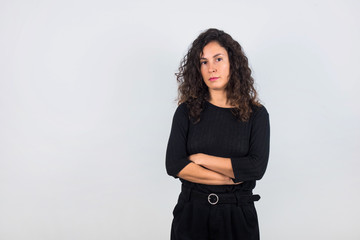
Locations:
(219, 133)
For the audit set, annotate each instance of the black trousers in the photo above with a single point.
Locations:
(198, 216)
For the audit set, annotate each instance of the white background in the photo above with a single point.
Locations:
(87, 93)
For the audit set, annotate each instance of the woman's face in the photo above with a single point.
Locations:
(215, 66)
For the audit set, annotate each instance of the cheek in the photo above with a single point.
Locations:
(227, 69)
(203, 72)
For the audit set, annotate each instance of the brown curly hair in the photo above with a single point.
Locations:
(240, 89)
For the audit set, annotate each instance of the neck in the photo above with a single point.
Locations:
(218, 98)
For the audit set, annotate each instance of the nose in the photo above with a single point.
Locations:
(212, 68)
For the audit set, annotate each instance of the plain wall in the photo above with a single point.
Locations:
(87, 92)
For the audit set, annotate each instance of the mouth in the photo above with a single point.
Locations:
(213, 79)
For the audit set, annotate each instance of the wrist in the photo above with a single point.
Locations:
(230, 181)
(227, 180)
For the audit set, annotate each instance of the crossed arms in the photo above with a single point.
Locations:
(208, 169)
(212, 170)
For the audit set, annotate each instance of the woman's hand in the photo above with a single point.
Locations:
(230, 181)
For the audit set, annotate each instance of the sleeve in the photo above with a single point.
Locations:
(176, 153)
(253, 165)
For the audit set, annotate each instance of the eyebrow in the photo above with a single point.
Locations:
(216, 55)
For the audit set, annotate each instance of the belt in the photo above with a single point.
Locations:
(238, 197)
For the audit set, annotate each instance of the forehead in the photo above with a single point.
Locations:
(211, 49)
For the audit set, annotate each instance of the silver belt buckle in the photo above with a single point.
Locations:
(209, 198)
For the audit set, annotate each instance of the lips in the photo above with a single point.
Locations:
(213, 79)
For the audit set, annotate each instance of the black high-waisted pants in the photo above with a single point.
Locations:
(195, 218)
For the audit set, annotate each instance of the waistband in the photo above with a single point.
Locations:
(237, 197)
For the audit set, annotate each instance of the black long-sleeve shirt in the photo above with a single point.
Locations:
(220, 134)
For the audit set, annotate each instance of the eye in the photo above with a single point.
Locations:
(203, 62)
(218, 59)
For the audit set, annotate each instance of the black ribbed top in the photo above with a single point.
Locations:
(219, 133)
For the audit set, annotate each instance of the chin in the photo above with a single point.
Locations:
(216, 87)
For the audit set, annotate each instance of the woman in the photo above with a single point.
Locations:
(219, 142)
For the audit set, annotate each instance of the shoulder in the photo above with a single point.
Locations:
(181, 111)
(259, 111)
(182, 108)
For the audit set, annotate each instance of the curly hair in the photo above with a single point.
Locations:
(240, 89)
